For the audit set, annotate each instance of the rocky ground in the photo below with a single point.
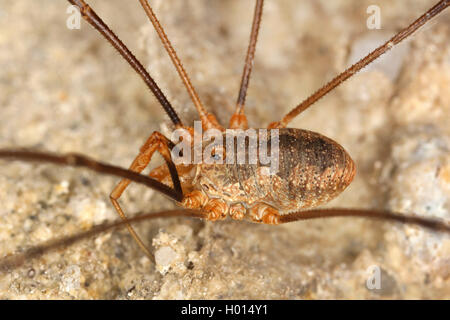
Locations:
(67, 90)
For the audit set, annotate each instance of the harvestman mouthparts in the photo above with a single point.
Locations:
(313, 169)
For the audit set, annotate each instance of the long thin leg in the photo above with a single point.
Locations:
(439, 7)
(78, 160)
(156, 142)
(13, 261)
(208, 120)
(431, 224)
(90, 16)
(239, 120)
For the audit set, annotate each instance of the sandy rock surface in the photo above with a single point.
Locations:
(67, 90)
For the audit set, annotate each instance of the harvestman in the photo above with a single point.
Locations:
(313, 169)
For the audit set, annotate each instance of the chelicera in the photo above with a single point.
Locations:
(313, 169)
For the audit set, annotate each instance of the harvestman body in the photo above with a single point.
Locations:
(313, 169)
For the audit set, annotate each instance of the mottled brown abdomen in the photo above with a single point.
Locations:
(312, 170)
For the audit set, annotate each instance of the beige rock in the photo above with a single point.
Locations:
(67, 90)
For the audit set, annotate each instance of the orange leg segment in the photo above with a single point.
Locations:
(215, 209)
(239, 120)
(156, 142)
(264, 214)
